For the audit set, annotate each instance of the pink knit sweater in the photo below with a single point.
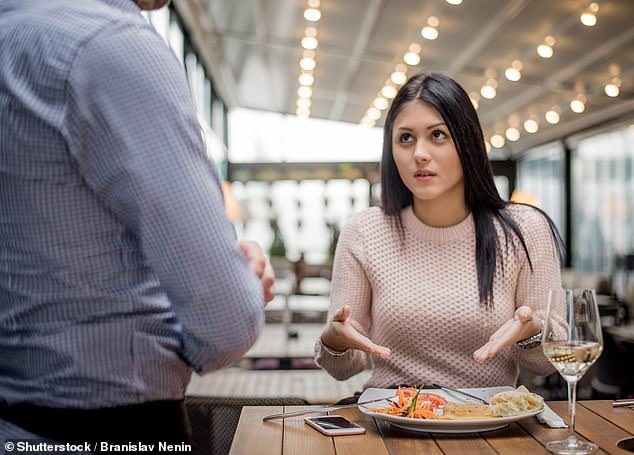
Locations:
(418, 296)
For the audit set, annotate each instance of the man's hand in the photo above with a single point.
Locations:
(261, 265)
(522, 326)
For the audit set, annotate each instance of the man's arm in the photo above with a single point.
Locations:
(134, 134)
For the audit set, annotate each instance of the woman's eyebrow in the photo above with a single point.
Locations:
(436, 125)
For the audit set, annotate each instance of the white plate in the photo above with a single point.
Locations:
(443, 426)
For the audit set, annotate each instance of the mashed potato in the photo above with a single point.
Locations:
(515, 402)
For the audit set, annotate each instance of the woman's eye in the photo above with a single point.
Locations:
(438, 134)
(406, 138)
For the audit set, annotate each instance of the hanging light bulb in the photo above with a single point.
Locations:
(307, 64)
(368, 122)
(589, 16)
(304, 92)
(531, 126)
(552, 115)
(312, 14)
(545, 50)
(612, 88)
(497, 141)
(513, 73)
(388, 91)
(454, 2)
(373, 113)
(309, 42)
(306, 79)
(380, 103)
(430, 33)
(398, 77)
(411, 58)
(512, 134)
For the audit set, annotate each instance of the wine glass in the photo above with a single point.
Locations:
(572, 341)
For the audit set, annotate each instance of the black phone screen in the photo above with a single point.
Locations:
(333, 423)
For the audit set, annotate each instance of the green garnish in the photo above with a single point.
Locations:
(412, 405)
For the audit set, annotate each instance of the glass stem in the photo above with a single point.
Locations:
(572, 401)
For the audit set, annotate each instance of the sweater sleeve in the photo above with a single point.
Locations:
(350, 286)
(533, 286)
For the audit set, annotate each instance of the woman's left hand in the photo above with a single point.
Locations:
(522, 326)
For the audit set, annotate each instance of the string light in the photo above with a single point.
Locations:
(612, 88)
(589, 17)
(552, 115)
(312, 14)
(454, 2)
(497, 141)
(513, 72)
(531, 125)
(545, 50)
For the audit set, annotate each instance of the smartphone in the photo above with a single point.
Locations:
(334, 425)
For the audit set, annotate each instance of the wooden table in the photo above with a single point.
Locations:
(597, 421)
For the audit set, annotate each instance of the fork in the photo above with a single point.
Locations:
(460, 392)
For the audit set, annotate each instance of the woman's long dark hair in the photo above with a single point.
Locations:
(481, 197)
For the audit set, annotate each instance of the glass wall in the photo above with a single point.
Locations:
(540, 181)
(603, 199)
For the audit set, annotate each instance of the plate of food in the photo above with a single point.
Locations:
(442, 411)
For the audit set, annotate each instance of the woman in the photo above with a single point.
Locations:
(442, 281)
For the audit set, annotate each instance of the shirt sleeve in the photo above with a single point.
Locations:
(132, 129)
(350, 286)
(533, 286)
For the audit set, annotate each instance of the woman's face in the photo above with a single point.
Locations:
(425, 155)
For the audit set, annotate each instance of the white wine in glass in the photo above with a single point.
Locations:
(572, 341)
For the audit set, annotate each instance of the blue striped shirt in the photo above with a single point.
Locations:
(119, 271)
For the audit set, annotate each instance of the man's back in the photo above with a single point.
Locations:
(118, 268)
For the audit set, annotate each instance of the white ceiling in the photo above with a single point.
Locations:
(255, 51)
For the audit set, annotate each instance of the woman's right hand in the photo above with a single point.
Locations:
(339, 335)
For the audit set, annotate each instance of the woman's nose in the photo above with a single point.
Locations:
(421, 154)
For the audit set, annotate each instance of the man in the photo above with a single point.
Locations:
(119, 271)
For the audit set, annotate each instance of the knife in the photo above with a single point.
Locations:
(331, 407)
(623, 402)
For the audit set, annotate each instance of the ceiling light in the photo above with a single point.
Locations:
(304, 92)
(487, 146)
(497, 141)
(308, 42)
(415, 48)
(588, 19)
(475, 99)
(313, 3)
(513, 74)
(612, 87)
(512, 134)
(303, 103)
(381, 103)
(312, 14)
(552, 116)
(368, 122)
(373, 113)
(307, 53)
(454, 2)
(611, 90)
(411, 58)
(398, 77)
(310, 31)
(307, 63)
(475, 103)
(388, 91)
(429, 33)
(531, 126)
(306, 79)
(302, 113)
(488, 92)
(544, 51)
(577, 106)
(433, 21)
